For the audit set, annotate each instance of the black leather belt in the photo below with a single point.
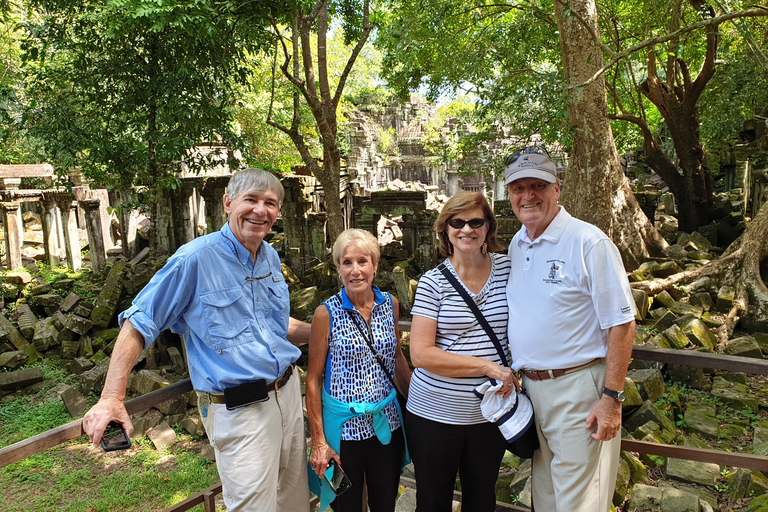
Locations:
(218, 398)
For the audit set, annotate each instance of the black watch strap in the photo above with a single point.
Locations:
(618, 395)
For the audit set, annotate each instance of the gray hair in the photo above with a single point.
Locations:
(364, 241)
(255, 180)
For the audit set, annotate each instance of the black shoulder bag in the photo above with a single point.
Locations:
(401, 399)
(525, 445)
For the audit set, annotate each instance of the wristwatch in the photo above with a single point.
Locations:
(618, 395)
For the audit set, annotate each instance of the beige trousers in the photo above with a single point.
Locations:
(571, 472)
(261, 452)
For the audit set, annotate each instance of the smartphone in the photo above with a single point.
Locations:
(246, 394)
(336, 478)
(115, 438)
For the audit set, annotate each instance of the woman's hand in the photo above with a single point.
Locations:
(506, 376)
(320, 457)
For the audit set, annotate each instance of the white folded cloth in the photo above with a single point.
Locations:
(512, 414)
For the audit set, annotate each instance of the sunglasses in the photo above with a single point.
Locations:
(539, 150)
(473, 223)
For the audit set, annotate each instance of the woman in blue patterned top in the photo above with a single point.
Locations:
(344, 375)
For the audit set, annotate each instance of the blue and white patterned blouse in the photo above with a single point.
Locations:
(351, 371)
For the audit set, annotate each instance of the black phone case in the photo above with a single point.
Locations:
(340, 481)
(246, 394)
(108, 445)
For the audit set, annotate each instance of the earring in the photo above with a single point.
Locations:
(484, 249)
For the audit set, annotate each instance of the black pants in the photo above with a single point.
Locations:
(376, 465)
(439, 450)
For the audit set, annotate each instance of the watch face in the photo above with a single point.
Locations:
(621, 396)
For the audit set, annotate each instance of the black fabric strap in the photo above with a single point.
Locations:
(369, 342)
(471, 303)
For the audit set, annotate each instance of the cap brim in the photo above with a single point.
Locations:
(531, 173)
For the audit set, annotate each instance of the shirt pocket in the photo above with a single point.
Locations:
(227, 318)
(279, 296)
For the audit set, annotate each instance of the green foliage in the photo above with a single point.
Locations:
(22, 419)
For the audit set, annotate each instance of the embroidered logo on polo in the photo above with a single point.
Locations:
(555, 273)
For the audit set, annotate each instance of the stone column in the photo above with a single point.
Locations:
(71, 237)
(106, 219)
(97, 251)
(50, 233)
(13, 230)
(184, 214)
(128, 221)
(213, 194)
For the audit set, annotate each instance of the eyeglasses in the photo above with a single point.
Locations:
(473, 223)
(242, 267)
(539, 150)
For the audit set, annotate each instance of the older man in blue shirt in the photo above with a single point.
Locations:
(226, 295)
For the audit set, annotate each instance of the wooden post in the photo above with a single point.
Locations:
(71, 238)
(97, 250)
(12, 227)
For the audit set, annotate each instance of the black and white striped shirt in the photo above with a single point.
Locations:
(450, 399)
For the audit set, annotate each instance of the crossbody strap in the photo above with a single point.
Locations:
(471, 303)
(369, 342)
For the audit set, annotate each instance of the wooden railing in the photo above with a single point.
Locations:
(74, 429)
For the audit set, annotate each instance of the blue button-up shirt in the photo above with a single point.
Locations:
(234, 329)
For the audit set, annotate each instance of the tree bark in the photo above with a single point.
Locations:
(595, 188)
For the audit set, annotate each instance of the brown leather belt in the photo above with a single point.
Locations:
(553, 374)
(218, 398)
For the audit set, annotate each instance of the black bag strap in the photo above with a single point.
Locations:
(369, 342)
(471, 303)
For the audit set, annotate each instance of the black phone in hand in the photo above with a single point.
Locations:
(336, 478)
(115, 438)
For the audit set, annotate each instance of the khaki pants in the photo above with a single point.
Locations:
(261, 452)
(571, 472)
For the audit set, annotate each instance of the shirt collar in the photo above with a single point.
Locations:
(553, 232)
(378, 298)
(243, 254)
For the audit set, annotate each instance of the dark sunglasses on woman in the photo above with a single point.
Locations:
(473, 223)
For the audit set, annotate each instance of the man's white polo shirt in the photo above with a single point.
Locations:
(565, 290)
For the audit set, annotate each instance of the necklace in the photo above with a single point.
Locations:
(242, 267)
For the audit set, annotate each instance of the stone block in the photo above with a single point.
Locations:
(733, 394)
(82, 310)
(403, 290)
(666, 269)
(177, 360)
(39, 289)
(80, 365)
(69, 350)
(692, 472)
(406, 502)
(109, 298)
(648, 412)
(63, 284)
(712, 320)
(738, 482)
(664, 299)
(147, 381)
(675, 252)
(725, 296)
(650, 383)
(694, 242)
(702, 300)
(93, 379)
(641, 304)
(209, 453)
(665, 321)
(162, 436)
(13, 359)
(17, 278)
(79, 324)
(633, 399)
(10, 381)
(623, 477)
(74, 401)
(46, 335)
(677, 500)
(760, 435)
(762, 341)
(699, 334)
(193, 425)
(176, 405)
(685, 308)
(521, 476)
(645, 498)
(676, 337)
(689, 375)
(26, 321)
(638, 472)
(745, 346)
(758, 484)
(46, 300)
(701, 419)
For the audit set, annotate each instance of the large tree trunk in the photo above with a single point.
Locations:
(595, 188)
(740, 268)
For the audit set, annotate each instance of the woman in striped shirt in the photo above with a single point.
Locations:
(447, 432)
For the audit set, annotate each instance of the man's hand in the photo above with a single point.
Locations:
(96, 420)
(607, 415)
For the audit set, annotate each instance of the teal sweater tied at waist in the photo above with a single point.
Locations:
(335, 414)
